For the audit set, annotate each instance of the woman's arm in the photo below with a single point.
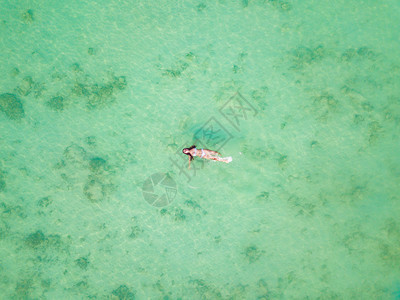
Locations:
(190, 159)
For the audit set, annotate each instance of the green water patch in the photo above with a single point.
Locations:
(195, 207)
(123, 292)
(78, 165)
(265, 153)
(75, 154)
(202, 288)
(390, 243)
(25, 86)
(36, 239)
(280, 5)
(56, 103)
(12, 210)
(205, 290)
(28, 16)
(175, 214)
(96, 95)
(276, 5)
(91, 51)
(324, 105)
(39, 241)
(303, 56)
(98, 165)
(14, 72)
(177, 68)
(239, 65)
(4, 229)
(44, 202)
(227, 90)
(209, 134)
(352, 54)
(82, 262)
(91, 141)
(290, 217)
(96, 188)
(361, 244)
(260, 98)
(362, 92)
(191, 209)
(201, 7)
(136, 230)
(24, 289)
(370, 119)
(11, 105)
(303, 206)
(263, 197)
(69, 87)
(2, 180)
(99, 183)
(190, 65)
(354, 192)
(252, 253)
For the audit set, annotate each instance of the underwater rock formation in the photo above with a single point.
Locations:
(179, 67)
(94, 189)
(44, 202)
(304, 56)
(252, 253)
(99, 95)
(82, 263)
(2, 181)
(56, 103)
(28, 17)
(4, 229)
(263, 196)
(25, 87)
(91, 51)
(35, 239)
(75, 154)
(98, 165)
(363, 52)
(124, 293)
(12, 106)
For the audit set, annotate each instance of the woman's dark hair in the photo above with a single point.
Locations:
(190, 148)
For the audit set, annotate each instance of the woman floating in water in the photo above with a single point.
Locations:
(205, 153)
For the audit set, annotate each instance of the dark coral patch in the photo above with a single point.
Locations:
(82, 262)
(25, 87)
(56, 103)
(124, 293)
(12, 106)
(94, 189)
(2, 181)
(97, 165)
(35, 239)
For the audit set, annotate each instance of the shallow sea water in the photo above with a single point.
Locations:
(98, 98)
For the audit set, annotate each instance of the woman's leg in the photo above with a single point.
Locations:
(223, 159)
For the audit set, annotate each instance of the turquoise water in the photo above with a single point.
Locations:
(98, 98)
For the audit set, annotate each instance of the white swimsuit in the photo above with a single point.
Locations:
(202, 152)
